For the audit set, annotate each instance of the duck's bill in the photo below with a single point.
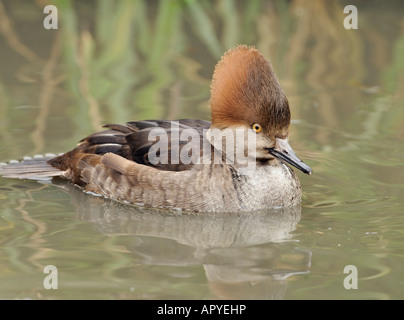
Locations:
(283, 151)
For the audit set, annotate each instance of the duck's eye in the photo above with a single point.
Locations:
(256, 127)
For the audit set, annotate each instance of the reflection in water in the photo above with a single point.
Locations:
(243, 255)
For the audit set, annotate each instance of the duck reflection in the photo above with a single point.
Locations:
(244, 255)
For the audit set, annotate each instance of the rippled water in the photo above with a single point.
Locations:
(140, 60)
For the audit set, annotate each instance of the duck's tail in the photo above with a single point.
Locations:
(36, 168)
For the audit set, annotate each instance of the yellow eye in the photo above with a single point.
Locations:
(256, 127)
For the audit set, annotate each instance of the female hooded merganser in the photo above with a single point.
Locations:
(191, 173)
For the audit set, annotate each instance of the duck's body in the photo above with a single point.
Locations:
(115, 164)
(119, 164)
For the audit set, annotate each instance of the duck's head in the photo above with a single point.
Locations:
(246, 94)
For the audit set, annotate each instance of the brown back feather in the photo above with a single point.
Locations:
(130, 141)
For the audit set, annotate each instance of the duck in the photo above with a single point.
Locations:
(187, 164)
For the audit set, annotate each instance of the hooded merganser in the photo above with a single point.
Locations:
(118, 162)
